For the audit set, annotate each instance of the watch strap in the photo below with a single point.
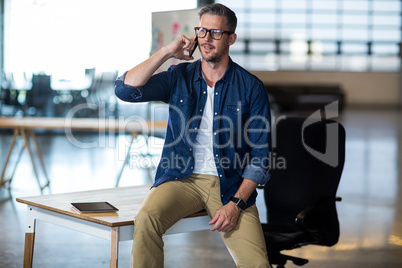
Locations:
(240, 203)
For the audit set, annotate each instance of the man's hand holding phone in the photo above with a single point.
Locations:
(182, 44)
(140, 74)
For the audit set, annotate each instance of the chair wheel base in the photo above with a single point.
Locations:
(281, 259)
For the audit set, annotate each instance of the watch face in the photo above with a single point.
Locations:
(239, 203)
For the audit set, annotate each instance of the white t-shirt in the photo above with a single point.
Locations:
(203, 147)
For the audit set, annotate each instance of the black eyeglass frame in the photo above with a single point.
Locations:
(211, 31)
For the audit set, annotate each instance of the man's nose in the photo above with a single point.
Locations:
(208, 36)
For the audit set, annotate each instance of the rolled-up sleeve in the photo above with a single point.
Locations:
(257, 174)
(126, 92)
(156, 89)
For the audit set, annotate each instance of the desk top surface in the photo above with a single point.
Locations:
(130, 124)
(127, 199)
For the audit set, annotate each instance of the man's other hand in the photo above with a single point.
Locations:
(226, 218)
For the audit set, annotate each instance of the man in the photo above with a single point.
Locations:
(217, 142)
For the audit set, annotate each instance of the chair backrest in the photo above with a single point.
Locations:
(40, 92)
(304, 178)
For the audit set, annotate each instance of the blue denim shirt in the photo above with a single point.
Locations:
(241, 123)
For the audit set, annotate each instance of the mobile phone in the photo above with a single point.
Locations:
(196, 44)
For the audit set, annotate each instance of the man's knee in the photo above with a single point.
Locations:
(149, 220)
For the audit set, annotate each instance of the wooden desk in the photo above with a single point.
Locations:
(26, 126)
(115, 227)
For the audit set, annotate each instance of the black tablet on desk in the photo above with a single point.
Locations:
(90, 207)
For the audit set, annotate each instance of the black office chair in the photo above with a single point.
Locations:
(301, 195)
(40, 95)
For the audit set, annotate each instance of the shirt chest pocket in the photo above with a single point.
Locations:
(234, 116)
(181, 100)
(181, 107)
(236, 109)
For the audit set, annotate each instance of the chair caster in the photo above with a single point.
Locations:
(300, 262)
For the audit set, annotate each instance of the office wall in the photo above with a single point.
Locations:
(168, 25)
(365, 88)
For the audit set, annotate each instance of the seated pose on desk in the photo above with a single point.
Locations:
(217, 142)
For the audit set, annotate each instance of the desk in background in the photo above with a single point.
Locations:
(25, 128)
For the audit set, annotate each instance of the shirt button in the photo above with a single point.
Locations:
(205, 92)
(181, 100)
(195, 128)
(216, 155)
(216, 93)
(191, 167)
(176, 179)
(200, 110)
(216, 113)
(220, 175)
(238, 109)
(215, 133)
(191, 149)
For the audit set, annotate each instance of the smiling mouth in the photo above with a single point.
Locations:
(208, 47)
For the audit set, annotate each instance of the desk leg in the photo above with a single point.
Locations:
(3, 172)
(133, 137)
(29, 238)
(39, 153)
(25, 135)
(114, 249)
(26, 142)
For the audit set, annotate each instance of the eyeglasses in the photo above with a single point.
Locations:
(214, 33)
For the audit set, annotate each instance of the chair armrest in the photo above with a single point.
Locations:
(320, 222)
(300, 218)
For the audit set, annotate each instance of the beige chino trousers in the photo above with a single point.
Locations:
(174, 200)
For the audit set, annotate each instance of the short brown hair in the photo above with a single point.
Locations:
(221, 10)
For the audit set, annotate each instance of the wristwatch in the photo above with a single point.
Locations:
(239, 202)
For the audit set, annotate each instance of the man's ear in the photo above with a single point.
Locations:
(232, 39)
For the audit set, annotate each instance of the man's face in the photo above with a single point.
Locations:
(214, 50)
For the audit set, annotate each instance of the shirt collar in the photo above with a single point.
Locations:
(198, 73)
(227, 77)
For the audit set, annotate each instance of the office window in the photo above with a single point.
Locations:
(389, 36)
(352, 34)
(293, 4)
(358, 20)
(354, 49)
(325, 5)
(385, 49)
(343, 35)
(293, 18)
(324, 19)
(65, 37)
(384, 5)
(261, 4)
(355, 5)
(320, 32)
(263, 46)
(383, 20)
(262, 19)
